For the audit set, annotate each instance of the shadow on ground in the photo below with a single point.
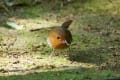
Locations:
(95, 55)
(69, 74)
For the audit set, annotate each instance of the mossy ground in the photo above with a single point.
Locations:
(95, 49)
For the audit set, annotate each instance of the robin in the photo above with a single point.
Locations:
(60, 37)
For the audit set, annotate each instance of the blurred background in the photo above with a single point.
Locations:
(95, 50)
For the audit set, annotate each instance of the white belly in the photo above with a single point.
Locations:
(49, 42)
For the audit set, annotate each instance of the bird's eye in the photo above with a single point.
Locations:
(58, 37)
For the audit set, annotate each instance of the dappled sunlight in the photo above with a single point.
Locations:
(29, 24)
(93, 53)
(25, 63)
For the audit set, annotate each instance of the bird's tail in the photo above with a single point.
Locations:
(66, 24)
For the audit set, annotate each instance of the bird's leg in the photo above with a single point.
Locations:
(69, 51)
(52, 54)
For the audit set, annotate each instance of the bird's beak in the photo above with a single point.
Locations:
(66, 42)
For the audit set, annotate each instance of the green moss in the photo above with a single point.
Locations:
(95, 33)
(74, 74)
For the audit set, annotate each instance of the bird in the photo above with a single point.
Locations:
(60, 37)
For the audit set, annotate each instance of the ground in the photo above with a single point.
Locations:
(94, 53)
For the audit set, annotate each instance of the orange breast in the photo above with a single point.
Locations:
(58, 43)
